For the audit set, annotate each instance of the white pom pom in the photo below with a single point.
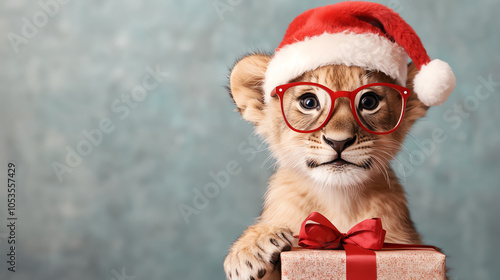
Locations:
(434, 83)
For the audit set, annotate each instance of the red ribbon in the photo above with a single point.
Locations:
(359, 243)
(317, 232)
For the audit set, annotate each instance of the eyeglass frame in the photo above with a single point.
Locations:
(351, 95)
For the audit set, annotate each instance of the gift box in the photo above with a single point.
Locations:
(359, 254)
(299, 264)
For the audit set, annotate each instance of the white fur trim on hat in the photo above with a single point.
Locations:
(434, 83)
(369, 51)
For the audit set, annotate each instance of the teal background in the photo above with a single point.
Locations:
(117, 213)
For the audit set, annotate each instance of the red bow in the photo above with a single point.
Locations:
(317, 232)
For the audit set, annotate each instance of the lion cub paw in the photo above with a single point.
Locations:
(257, 253)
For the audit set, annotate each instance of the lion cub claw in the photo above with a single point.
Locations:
(256, 255)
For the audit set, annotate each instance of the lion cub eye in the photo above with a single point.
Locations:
(369, 101)
(309, 101)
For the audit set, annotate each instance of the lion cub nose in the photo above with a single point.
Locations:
(339, 146)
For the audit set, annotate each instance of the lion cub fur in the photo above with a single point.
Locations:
(344, 195)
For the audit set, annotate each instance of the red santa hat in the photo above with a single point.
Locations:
(368, 35)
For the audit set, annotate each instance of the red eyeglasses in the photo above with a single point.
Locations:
(378, 108)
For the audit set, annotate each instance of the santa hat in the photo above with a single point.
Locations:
(368, 35)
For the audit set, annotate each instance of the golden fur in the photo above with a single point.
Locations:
(346, 195)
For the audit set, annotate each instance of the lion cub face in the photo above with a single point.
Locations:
(341, 154)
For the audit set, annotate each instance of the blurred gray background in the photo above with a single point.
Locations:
(69, 67)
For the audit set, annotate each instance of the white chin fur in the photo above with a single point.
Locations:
(348, 178)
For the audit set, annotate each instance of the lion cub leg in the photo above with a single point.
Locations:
(256, 254)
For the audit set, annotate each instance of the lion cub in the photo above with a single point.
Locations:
(340, 170)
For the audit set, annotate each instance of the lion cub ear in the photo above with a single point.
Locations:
(246, 80)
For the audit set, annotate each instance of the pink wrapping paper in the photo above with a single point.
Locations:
(307, 264)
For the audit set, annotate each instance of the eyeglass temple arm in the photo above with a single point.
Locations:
(273, 93)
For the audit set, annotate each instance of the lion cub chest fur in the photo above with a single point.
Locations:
(304, 182)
